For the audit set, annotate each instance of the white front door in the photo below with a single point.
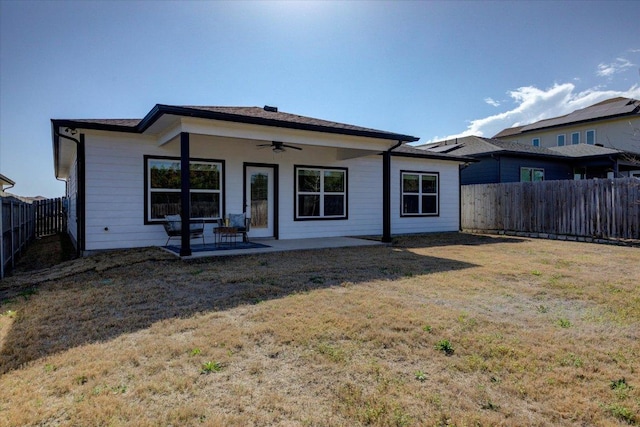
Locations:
(259, 187)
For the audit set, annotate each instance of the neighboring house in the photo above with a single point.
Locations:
(614, 123)
(502, 161)
(295, 176)
(5, 181)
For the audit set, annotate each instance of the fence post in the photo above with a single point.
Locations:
(595, 208)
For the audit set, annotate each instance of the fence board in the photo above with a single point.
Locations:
(50, 217)
(21, 222)
(604, 208)
(17, 227)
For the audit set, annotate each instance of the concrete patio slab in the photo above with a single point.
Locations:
(288, 245)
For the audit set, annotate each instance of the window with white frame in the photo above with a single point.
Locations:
(420, 193)
(561, 140)
(163, 188)
(575, 138)
(531, 174)
(321, 193)
(535, 142)
(591, 137)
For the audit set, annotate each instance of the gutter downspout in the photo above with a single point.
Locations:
(80, 172)
(386, 193)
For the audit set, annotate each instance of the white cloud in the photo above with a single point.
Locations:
(492, 101)
(618, 66)
(535, 104)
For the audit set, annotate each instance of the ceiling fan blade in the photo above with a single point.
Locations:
(291, 146)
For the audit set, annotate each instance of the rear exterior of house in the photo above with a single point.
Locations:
(296, 177)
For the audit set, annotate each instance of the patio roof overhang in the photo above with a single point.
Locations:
(165, 123)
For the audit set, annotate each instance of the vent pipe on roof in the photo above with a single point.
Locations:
(270, 109)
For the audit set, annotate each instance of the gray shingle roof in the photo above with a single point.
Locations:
(132, 123)
(614, 107)
(267, 116)
(476, 146)
(509, 132)
(411, 151)
(260, 112)
(584, 150)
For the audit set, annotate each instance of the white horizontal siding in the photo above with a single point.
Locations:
(364, 184)
(115, 189)
(449, 218)
(115, 192)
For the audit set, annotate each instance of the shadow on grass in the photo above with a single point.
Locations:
(98, 298)
(453, 238)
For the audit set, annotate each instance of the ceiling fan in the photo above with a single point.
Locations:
(278, 146)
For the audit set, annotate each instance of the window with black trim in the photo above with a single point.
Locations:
(163, 183)
(321, 193)
(420, 193)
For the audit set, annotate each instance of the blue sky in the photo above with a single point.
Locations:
(429, 69)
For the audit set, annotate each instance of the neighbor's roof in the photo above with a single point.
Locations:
(476, 146)
(267, 116)
(405, 150)
(611, 108)
(584, 150)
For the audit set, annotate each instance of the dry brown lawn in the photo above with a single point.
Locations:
(435, 330)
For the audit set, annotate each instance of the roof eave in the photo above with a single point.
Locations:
(519, 154)
(459, 159)
(161, 109)
(93, 126)
(577, 122)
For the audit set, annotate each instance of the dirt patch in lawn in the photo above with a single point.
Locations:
(445, 329)
(45, 252)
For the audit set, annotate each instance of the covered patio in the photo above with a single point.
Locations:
(272, 245)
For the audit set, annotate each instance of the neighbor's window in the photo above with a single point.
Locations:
(321, 193)
(575, 138)
(420, 193)
(163, 188)
(531, 174)
(535, 142)
(591, 137)
(561, 139)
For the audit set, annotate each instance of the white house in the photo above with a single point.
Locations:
(295, 176)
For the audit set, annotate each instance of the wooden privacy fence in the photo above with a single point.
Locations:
(21, 222)
(596, 208)
(50, 216)
(17, 226)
